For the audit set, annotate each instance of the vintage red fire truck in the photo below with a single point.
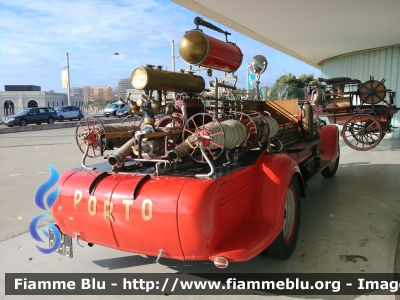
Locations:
(213, 178)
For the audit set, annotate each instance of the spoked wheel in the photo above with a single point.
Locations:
(210, 136)
(251, 129)
(362, 132)
(133, 120)
(88, 134)
(284, 244)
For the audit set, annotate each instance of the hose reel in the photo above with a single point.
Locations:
(372, 91)
(240, 130)
(90, 132)
(210, 136)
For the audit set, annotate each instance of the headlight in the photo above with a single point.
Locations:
(9, 119)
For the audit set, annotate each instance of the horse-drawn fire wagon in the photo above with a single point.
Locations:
(200, 176)
(364, 109)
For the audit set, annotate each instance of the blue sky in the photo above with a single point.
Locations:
(35, 36)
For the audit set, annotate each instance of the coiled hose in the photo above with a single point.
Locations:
(267, 127)
(233, 131)
(116, 128)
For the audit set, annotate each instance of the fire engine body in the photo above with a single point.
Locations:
(222, 184)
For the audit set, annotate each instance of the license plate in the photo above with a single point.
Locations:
(65, 246)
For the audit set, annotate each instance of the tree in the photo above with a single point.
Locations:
(289, 86)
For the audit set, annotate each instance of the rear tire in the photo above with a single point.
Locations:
(50, 121)
(331, 169)
(23, 123)
(284, 244)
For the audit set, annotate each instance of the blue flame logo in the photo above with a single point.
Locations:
(39, 201)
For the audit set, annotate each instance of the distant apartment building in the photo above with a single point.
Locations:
(97, 93)
(11, 102)
(76, 91)
(123, 85)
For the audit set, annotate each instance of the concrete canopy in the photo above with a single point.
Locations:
(312, 31)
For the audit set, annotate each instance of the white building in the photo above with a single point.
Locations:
(12, 102)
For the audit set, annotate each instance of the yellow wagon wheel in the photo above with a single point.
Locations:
(362, 132)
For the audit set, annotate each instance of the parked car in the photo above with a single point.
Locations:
(68, 113)
(123, 112)
(111, 109)
(37, 115)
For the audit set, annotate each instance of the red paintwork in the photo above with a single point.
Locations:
(193, 105)
(330, 142)
(222, 56)
(136, 234)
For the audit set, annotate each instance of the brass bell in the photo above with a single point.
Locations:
(317, 98)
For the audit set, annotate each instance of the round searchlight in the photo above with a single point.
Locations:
(258, 64)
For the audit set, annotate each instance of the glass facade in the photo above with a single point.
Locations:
(22, 88)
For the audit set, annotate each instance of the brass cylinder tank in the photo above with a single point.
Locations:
(197, 48)
(145, 78)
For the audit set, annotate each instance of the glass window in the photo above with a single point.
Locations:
(23, 112)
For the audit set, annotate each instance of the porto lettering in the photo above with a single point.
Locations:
(108, 207)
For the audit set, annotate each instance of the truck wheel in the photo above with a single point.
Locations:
(283, 246)
(331, 169)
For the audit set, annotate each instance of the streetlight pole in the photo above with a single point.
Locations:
(173, 61)
(69, 81)
(247, 83)
(69, 87)
(173, 56)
